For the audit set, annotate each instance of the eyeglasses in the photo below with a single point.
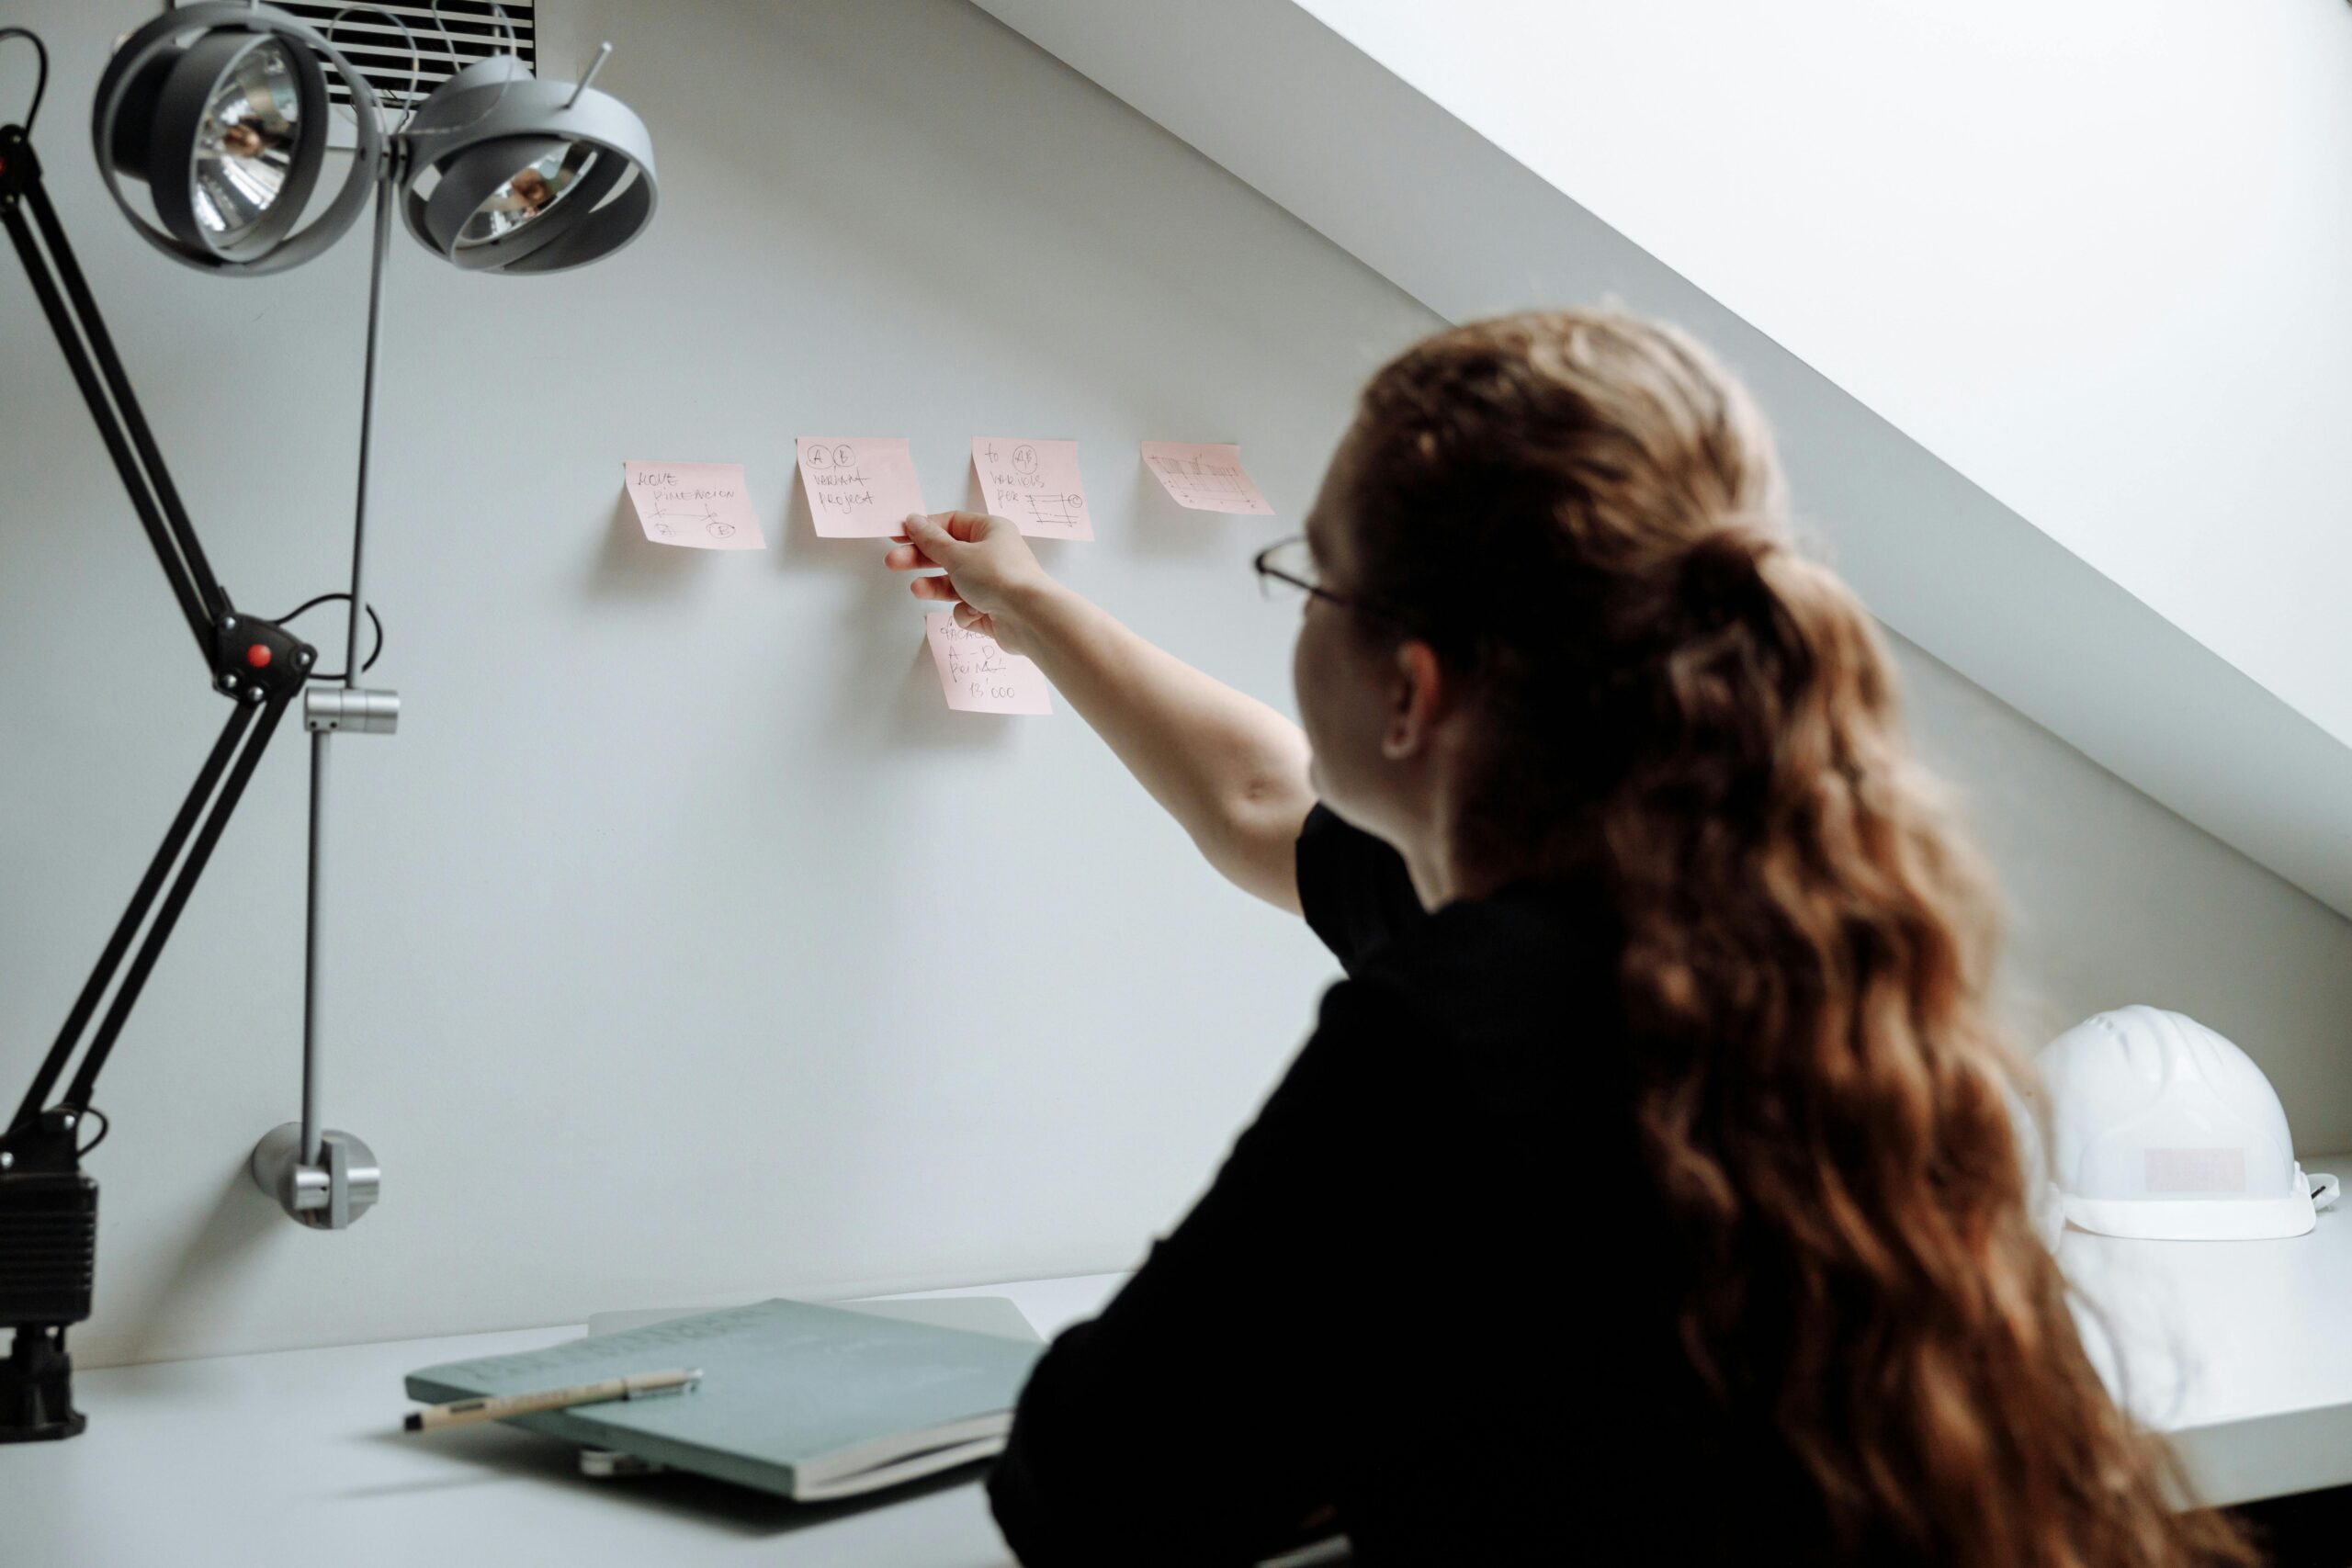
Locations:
(1287, 569)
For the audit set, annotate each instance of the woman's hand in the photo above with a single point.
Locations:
(992, 578)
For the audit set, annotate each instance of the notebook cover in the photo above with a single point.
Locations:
(981, 1315)
(785, 1383)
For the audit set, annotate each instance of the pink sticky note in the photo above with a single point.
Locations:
(1205, 476)
(700, 506)
(859, 487)
(980, 677)
(1035, 483)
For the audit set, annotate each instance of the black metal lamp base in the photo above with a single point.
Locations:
(37, 1389)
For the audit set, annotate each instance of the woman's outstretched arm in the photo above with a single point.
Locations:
(1228, 768)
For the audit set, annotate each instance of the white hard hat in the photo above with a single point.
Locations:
(2160, 1128)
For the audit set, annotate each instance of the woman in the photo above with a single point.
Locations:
(1666, 989)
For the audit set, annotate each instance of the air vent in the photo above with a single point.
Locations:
(447, 38)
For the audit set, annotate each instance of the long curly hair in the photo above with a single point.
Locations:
(1585, 516)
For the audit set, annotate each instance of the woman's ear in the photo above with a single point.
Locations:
(1416, 700)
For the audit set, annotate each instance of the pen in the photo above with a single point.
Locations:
(496, 1407)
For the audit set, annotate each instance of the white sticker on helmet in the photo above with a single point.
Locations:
(2197, 1170)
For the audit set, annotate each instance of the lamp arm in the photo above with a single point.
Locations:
(205, 813)
(48, 1205)
(255, 663)
(82, 335)
(85, 1005)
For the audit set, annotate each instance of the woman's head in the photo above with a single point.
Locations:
(1547, 521)
(1565, 633)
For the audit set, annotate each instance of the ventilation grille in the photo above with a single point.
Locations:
(367, 35)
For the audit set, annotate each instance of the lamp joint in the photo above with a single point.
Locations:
(254, 660)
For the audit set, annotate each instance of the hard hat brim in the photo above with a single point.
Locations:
(2194, 1219)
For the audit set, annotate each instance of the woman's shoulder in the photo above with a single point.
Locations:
(1352, 888)
(1499, 995)
(1545, 944)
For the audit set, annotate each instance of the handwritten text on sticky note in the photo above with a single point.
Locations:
(859, 487)
(1205, 476)
(1035, 483)
(701, 506)
(980, 677)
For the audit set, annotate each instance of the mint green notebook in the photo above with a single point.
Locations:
(806, 1402)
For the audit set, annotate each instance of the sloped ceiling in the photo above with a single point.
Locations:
(2042, 301)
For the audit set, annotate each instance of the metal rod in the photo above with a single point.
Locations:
(313, 968)
(311, 964)
(589, 75)
(368, 423)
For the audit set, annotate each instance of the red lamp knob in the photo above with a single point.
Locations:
(258, 654)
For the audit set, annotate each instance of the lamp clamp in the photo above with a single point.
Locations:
(49, 1243)
(350, 710)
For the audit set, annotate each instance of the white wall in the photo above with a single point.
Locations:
(1405, 185)
(2090, 254)
(2114, 899)
(683, 944)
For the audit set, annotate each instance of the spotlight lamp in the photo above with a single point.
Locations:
(504, 172)
(220, 110)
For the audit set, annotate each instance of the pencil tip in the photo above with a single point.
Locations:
(413, 1422)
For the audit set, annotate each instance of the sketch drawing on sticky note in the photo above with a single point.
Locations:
(979, 676)
(858, 486)
(1035, 483)
(667, 515)
(1205, 476)
(696, 505)
(844, 487)
(1061, 513)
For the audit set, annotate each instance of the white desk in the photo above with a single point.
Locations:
(296, 1457)
(2241, 1350)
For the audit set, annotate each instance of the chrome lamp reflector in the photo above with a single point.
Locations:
(507, 173)
(246, 170)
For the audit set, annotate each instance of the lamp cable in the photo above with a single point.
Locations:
(375, 620)
(415, 54)
(449, 45)
(41, 81)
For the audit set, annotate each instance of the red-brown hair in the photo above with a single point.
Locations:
(1585, 516)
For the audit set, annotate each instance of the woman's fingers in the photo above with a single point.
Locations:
(934, 588)
(962, 527)
(906, 558)
(929, 536)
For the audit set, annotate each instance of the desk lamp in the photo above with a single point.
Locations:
(220, 111)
